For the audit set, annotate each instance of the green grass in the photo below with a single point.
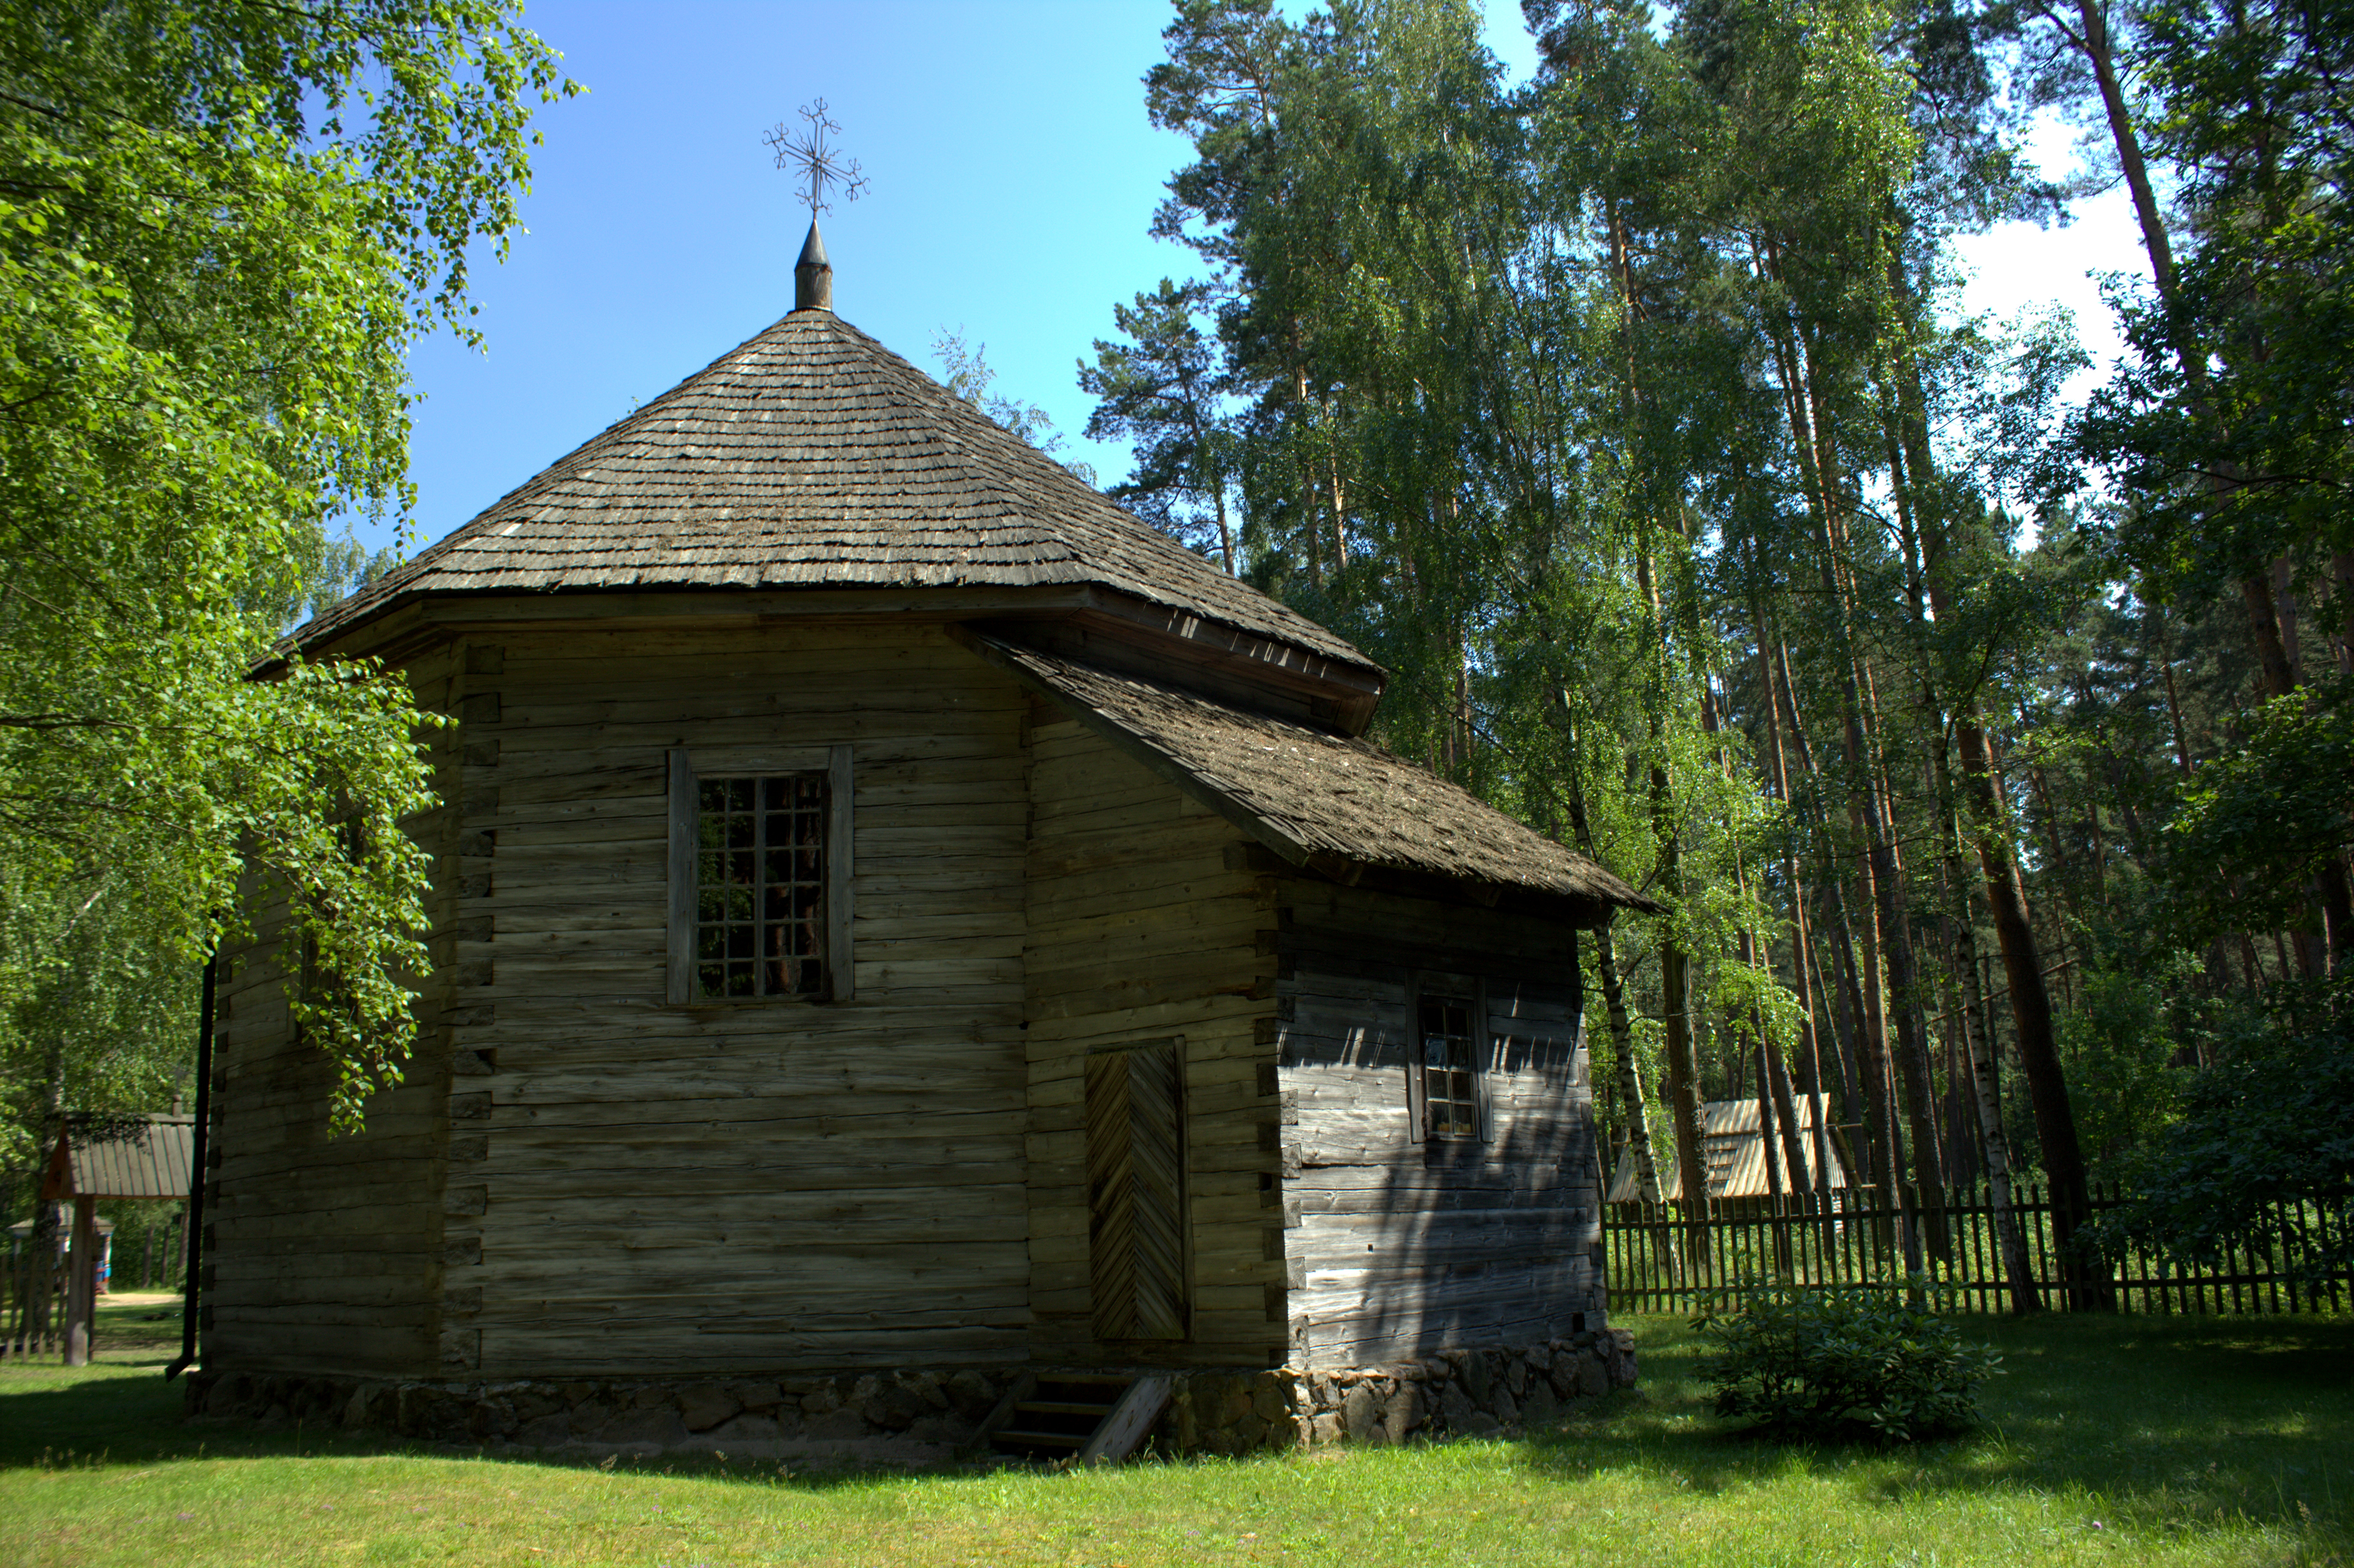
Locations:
(2116, 1441)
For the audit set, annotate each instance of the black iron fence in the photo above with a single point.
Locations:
(1661, 1260)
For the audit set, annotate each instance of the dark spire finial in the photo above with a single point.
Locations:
(810, 152)
(813, 274)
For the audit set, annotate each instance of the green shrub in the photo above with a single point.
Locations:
(1842, 1362)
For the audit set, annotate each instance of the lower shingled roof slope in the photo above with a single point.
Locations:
(1311, 796)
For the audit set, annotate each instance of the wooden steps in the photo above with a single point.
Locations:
(1081, 1417)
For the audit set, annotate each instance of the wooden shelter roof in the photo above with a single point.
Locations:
(152, 1162)
(1735, 1150)
(1335, 804)
(811, 456)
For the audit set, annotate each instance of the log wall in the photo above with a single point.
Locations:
(1395, 1248)
(1146, 922)
(581, 1179)
(763, 1184)
(322, 1251)
(637, 1188)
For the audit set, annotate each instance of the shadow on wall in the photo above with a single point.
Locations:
(1404, 1247)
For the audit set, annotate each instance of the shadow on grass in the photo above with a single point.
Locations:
(2158, 1423)
(2152, 1423)
(125, 1414)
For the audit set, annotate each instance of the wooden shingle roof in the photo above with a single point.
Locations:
(152, 1161)
(1329, 803)
(811, 456)
(1732, 1145)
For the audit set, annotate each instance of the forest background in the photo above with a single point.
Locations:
(1994, 755)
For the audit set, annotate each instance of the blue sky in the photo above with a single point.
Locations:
(1013, 176)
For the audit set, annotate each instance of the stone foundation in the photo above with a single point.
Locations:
(914, 1417)
(1473, 1393)
(931, 1418)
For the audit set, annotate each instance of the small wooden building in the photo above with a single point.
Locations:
(860, 832)
(148, 1159)
(1735, 1146)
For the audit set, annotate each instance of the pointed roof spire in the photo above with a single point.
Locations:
(811, 155)
(813, 274)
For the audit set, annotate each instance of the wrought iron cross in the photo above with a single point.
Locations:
(810, 154)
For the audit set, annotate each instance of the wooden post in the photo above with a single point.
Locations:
(81, 1284)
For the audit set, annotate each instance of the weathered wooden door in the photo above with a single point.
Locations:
(1136, 1190)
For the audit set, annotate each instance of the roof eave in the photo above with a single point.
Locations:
(1341, 693)
(1519, 898)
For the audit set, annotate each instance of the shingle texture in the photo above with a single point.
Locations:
(813, 457)
(153, 1162)
(1733, 1149)
(1324, 794)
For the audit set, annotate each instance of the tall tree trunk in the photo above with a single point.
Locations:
(1842, 1038)
(1675, 979)
(1979, 1043)
(1786, 1113)
(1854, 1013)
(1913, 1029)
(2031, 1013)
(1630, 1072)
(1769, 1126)
(1824, 987)
(1809, 1039)
(1614, 1001)
(1809, 426)
(2090, 36)
(1675, 968)
(2031, 1002)
(1683, 1087)
(2173, 697)
(1879, 1089)
(2341, 566)
(1777, 1139)
(1779, 1117)
(41, 1242)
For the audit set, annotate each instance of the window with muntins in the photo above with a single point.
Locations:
(759, 886)
(1449, 1067)
(760, 874)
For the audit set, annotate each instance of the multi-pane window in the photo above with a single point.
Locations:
(759, 893)
(1448, 1065)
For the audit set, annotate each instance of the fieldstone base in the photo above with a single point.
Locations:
(918, 1418)
(1456, 1393)
(929, 1418)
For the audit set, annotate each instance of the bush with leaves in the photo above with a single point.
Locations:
(2262, 1160)
(2141, 1016)
(2263, 824)
(1827, 1363)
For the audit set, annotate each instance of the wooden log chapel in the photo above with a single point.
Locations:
(894, 910)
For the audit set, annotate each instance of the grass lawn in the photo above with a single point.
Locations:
(2124, 1440)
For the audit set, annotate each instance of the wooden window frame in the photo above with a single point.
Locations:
(1469, 989)
(687, 765)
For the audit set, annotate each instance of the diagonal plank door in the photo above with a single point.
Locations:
(1136, 1191)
